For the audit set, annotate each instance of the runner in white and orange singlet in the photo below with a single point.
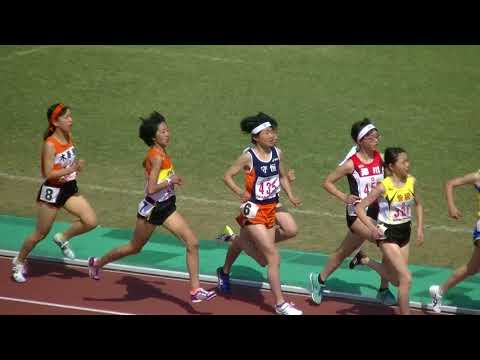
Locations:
(59, 168)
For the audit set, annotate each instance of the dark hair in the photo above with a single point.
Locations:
(149, 127)
(251, 122)
(51, 128)
(357, 127)
(391, 156)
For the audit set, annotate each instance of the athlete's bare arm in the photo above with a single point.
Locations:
(153, 186)
(339, 172)
(468, 179)
(243, 162)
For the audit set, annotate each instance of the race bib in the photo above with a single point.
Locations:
(49, 194)
(351, 211)
(382, 228)
(267, 187)
(249, 209)
(402, 211)
(145, 208)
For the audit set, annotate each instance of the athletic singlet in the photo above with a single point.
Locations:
(396, 203)
(262, 180)
(65, 154)
(364, 178)
(166, 170)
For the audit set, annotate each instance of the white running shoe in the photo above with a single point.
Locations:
(226, 235)
(202, 295)
(93, 270)
(436, 295)
(63, 245)
(287, 309)
(19, 271)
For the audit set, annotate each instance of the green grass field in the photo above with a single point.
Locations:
(423, 98)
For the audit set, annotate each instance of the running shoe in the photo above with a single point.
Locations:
(202, 295)
(63, 245)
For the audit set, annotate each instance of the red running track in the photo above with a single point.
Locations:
(54, 288)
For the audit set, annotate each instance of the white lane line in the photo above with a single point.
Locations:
(71, 307)
(184, 277)
(166, 51)
(24, 52)
(219, 202)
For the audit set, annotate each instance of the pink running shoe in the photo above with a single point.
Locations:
(93, 271)
(201, 294)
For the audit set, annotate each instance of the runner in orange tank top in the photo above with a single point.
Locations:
(286, 228)
(263, 175)
(158, 207)
(59, 168)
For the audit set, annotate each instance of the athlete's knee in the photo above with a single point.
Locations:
(192, 244)
(40, 234)
(261, 260)
(290, 231)
(405, 279)
(89, 221)
(472, 270)
(272, 258)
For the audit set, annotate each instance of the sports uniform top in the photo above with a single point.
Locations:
(166, 170)
(262, 181)
(65, 154)
(396, 202)
(364, 178)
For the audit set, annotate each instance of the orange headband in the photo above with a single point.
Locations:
(56, 112)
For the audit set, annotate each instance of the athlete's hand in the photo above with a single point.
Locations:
(176, 180)
(454, 213)
(245, 197)
(291, 175)
(296, 202)
(420, 237)
(352, 199)
(79, 165)
(377, 233)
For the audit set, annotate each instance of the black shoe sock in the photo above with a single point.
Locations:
(223, 273)
(320, 279)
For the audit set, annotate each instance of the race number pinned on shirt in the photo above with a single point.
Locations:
(249, 209)
(351, 208)
(267, 187)
(49, 194)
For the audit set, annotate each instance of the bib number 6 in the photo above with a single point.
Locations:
(249, 209)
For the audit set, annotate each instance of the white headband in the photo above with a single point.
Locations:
(261, 127)
(365, 131)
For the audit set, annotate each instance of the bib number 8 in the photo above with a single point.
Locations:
(49, 194)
